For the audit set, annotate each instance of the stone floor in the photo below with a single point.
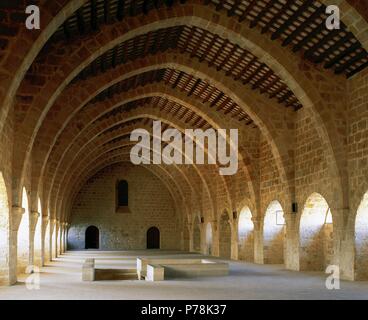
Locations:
(61, 279)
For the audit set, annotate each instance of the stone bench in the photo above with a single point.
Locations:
(88, 270)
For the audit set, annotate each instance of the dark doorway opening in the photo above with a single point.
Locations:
(153, 238)
(92, 238)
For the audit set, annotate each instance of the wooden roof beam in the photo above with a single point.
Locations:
(218, 52)
(94, 22)
(314, 33)
(181, 74)
(291, 19)
(231, 12)
(106, 11)
(253, 73)
(254, 59)
(360, 68)
(262, 79)
(217, 99)
(209, 94)
(208, 47)
(187, 83)
(310, 53)
(331, 49)
(342, 55)
(266, 9)
(305, 24)
(198, 44)
(196, 84)
(350, 62)
(274, 94)
(227, 57)
(247, 10)
(80, 21)
(121, 10)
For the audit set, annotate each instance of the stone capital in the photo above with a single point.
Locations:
(16, 217)
(33, 218)
(256, 222)
(214, 224)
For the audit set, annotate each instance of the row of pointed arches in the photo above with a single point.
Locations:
(26, 239)
(313, 227)
(37, 242)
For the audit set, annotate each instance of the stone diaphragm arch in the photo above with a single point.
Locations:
(119, 152)
(245, 235)
(224, 236)
(361, 241)
(38, 236)
(23, 236)
(209, 238)
(186, 237)
(53, 242)
(47, 242)
(152, 115)
(4, 232)
(87, 173)
(196, 236)
(273, 234)
(315, 234)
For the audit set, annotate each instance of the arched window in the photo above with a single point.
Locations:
(122, 193)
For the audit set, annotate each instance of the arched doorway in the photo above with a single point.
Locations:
(92, 238)
(23, 237)
(315, 234)
(245, 235)
(225, 237)
(4, 233)
(153, 238)
(273, 234)
(361, 241)
(209, 238)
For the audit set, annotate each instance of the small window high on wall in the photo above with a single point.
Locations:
(122, 193)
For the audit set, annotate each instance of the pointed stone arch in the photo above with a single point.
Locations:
(245, 235)
(274, 234)
(315, 234)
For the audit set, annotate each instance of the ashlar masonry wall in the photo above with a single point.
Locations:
(150, 204)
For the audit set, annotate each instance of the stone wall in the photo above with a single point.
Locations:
(150, 204)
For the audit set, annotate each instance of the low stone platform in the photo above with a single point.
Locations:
(156, 269)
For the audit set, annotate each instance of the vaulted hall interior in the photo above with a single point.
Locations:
(73, 92)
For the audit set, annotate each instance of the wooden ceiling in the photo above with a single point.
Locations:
(191, 85)
(299, 25)
(164, 104)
